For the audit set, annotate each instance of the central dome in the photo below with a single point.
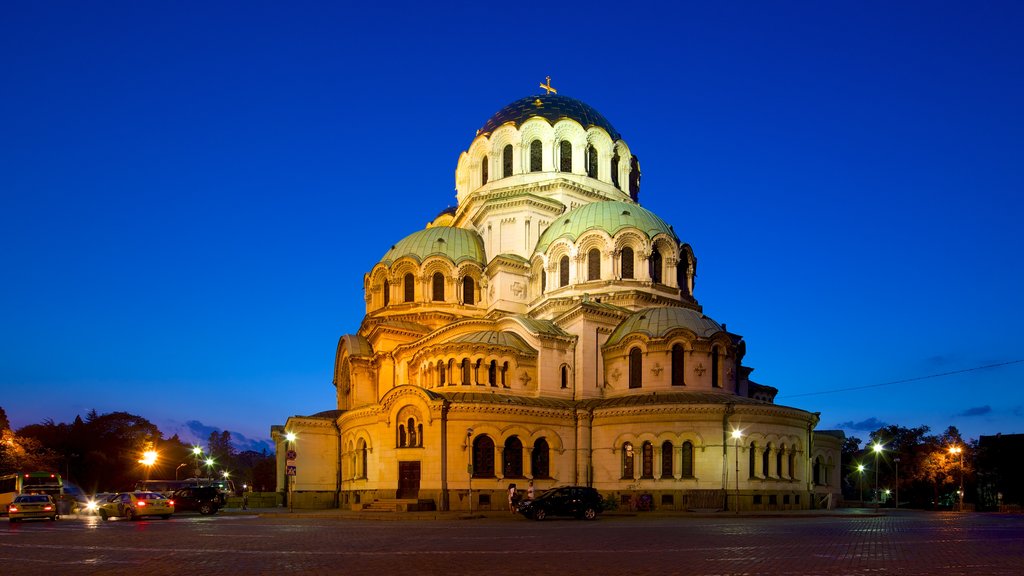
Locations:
(552, 108)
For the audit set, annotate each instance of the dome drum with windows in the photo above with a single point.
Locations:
(546, 328)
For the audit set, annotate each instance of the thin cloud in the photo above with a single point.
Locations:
(976, 411)
(869, 425)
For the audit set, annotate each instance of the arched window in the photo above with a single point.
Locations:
(438, 287)
(635, 368)
(647, 468)
(752, 460)
(686, 460)
(681, 267)
(468, 291)
(535, 158)
(483, 171)
(565, 156)
(512, 458)
(634, 178)
(565, 376)
(655, 263)
(563, 271)
(361, 459)
(615, 169)
(792, 464)
(492, 373)
(678, 371)
(591, 161)
(817, 471)
(779, 460)
(466, 381)
(483, 457)
(626, 262)
(401, 441)
(627, 461)
(413, 439)
(765, 460)
(506, 161)
(504, 372)
(543, 280)
(387, 293)
(410, 287)
(594, 264)
(714, 368)
(666, 459)
(540, 465)
(440, 372)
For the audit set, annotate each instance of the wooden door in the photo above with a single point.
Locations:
(408, 479)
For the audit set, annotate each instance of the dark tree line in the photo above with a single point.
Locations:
(103, 452)
(926, 470)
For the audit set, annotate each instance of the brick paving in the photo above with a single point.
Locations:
(330, 542)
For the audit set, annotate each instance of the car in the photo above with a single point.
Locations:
(32, 506)
(203, 499)
(135, 505)
(579, 501)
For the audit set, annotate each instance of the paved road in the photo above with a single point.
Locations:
(907, 543)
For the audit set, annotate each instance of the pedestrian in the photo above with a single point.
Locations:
(529, 491)
(512, 498)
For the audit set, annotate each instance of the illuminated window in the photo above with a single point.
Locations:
(564, 156)
(535, 156)
(492, 373)
(440, 372)
(626, 262)
(635, 368)
(647, 460)
(627, 461)
(563, 271)
(506, 161)
(678, 371)
(594, 264)
(465, 372)
(591, 161)
(483, 171)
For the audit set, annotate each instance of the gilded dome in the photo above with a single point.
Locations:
(610, 216)
(456, 244)
(657, 322)
(552, 108)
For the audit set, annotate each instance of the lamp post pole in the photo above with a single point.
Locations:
(289, 469)
(197, 451)
(878, 450)
(960, 494)
(896, 461)
(178, 468)
(736, 449)
(469, 465)
(860, 470)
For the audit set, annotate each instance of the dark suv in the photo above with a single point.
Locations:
(203, 499)
(578, 501)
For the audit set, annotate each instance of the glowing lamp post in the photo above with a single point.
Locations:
(209, 467)
(860, 470)
(197, 452)
(960, 452)
(877, 448)
(736, 434)
(148, 460)
(289, 469)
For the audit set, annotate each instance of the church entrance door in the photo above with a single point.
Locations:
(408, 479)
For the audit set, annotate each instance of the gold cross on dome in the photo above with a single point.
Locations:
(548, 87)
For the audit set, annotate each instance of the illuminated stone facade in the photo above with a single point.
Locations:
(547, 329)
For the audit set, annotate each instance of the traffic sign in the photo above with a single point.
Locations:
(290, 454)
(290, 471)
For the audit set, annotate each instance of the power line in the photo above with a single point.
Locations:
(975, 369)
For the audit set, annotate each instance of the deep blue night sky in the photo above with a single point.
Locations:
(192, 191)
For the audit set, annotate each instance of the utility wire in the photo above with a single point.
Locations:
(975, 369)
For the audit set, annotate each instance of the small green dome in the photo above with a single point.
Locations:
(657, 322)
(456, 244)
(610, 216)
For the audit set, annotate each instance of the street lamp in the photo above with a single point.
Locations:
(896, 461)
(178, 468)
(147, 460)
(960, 451)
(860, 469)
(736, 434)
(878, 450)
(469, 466)
(209, 467)
(289, 473)
(197, 451)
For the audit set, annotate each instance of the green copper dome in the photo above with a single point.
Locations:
(657, 322)
(610, 216)
(456, 244)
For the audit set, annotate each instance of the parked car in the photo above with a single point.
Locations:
(135, 505)
(578, 501)
(32, 506)
(203, 499)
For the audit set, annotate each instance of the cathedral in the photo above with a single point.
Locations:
(547, 329)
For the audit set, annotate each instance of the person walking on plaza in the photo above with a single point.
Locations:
(512, 498)
(529, 491)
